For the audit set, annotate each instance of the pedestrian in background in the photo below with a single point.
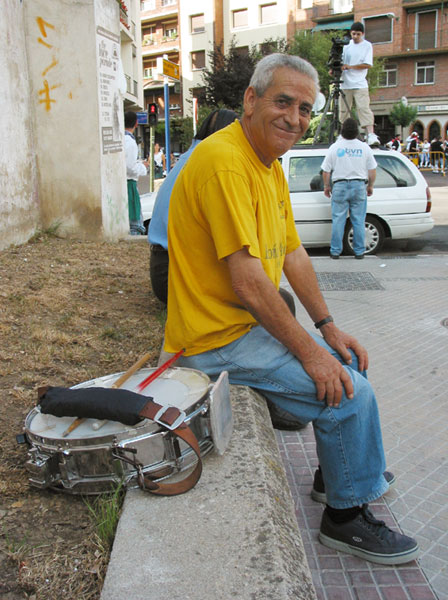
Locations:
(159, 162)
(134, 170)
(424, 156)
(357, 57)
(437, 155)
(352, 164)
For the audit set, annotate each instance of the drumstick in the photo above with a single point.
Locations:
(118, 383)
(141, 386)
(76, 423)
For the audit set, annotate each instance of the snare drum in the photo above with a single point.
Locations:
(91, 460)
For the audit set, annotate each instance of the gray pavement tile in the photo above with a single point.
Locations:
(401, 327)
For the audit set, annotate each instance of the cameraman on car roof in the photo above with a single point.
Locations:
(357, 58)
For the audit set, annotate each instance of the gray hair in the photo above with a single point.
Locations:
(264, 71)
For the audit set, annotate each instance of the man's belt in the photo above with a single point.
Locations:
(354, 179)
(157, 248)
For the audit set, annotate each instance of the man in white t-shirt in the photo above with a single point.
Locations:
(353, 165)
(357, 58)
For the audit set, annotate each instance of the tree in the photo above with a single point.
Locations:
(403, 114)
(228, 77)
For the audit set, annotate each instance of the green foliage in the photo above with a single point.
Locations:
(403, 115)
(104, 513)
(373, 75)
(228, 77)
(324, 134)
(315, 48)
(182, 131)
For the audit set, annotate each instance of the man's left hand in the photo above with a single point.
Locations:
(342, 342)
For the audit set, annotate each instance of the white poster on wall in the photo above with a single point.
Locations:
(110, 90)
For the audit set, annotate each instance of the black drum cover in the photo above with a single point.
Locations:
(94, 403)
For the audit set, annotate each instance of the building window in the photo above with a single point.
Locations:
(424, 72)
(242, 51)
(168, 2)
(149, 68)
(197, 24)
(388, 76)
(378, 30)
(425, 30)
(170, 30)
(147, 5)
(240, 18)
(198, 60)
(148, 35)
(268, 13)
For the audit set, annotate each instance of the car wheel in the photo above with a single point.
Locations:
(374, 236)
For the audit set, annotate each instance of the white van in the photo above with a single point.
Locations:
(400, 206)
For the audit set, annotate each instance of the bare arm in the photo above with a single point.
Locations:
(302, 277)
(327, 188)
(260, 297)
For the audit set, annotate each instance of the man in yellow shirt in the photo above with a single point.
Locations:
(231, 234)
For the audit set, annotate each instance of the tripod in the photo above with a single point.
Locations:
(333, 102)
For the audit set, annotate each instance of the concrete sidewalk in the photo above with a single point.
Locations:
(398, 309)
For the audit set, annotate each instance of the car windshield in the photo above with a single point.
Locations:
(393, 172)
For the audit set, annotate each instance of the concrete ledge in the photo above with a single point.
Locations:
(234, 535)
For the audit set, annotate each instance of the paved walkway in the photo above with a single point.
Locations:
(398, 308)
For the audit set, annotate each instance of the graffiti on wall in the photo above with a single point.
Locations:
(45, 93)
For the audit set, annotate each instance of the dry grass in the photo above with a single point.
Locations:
(69, 311)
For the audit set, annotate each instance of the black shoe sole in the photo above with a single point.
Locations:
(398, 558)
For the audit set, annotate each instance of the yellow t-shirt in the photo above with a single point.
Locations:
(223, 200)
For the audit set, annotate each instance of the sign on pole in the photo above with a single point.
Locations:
(168, 69)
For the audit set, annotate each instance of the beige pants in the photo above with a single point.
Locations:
(362, 102)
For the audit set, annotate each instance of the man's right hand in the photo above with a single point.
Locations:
(329, 376)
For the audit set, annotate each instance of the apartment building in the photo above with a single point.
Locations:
(187, 31)
(411, 35)
(131, 56)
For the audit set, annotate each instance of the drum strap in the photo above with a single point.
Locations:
(169, 416)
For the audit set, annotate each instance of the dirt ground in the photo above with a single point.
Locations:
(69, 311)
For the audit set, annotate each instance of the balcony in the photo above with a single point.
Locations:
(426, 40)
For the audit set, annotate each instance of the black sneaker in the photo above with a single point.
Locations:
(318, 491)
(368, 538)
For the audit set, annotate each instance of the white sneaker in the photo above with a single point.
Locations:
(373, 139)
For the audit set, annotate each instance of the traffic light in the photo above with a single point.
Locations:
(153, 112)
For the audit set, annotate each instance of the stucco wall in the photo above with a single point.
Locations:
(19, 210)
(62, 47)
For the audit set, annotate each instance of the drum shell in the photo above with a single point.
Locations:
(96, 464)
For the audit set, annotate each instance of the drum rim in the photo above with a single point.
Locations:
(143, 428)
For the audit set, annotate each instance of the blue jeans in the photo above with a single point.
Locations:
(348, 196)
(348, 438)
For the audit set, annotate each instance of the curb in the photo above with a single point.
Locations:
(234, 535)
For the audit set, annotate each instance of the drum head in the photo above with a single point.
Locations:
(177, 386)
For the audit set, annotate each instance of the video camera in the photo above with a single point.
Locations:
(335, 61)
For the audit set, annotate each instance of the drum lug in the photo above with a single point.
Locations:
(41, 468)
